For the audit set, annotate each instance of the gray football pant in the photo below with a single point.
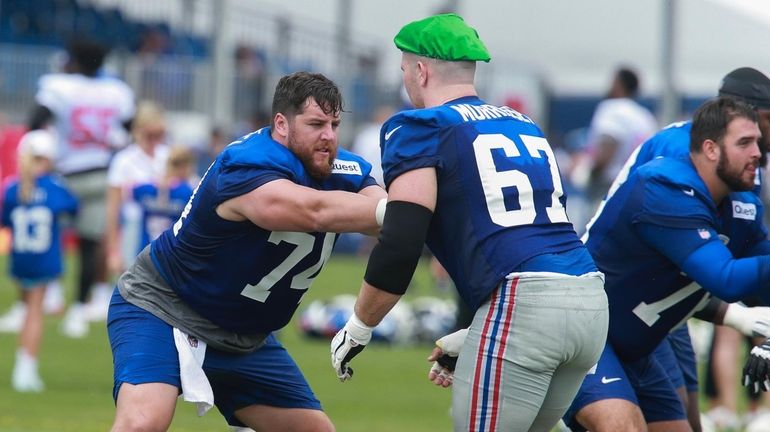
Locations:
(527, 351)
(90, 188)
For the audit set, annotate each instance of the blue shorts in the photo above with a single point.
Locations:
(143, 351)
(32, 283)
(681, 344)
(665, 356)
(643, 382)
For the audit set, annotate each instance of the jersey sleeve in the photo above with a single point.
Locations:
(408, 142)
(608, 121)
(368, 181)
(142, 190)
(47, 93)
(350, 172)
(126, 105)
(674, 205)
(677, 244)
(239, 180)
(646, 152)
(672, 142)
(704, 259)
(68, 201)
(252, 161)
(9, 202)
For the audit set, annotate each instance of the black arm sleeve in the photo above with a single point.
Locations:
(713, 310)
(394, 258)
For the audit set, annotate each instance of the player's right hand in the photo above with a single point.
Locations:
(755, 372)
(444, 358)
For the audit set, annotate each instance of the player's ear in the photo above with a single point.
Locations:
(281, 125)
(422, 73)
(711, 149)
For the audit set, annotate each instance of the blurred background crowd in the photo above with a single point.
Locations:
(212, 64)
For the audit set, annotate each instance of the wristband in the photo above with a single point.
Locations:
(358, 331)
(737, 318)
(379, 213)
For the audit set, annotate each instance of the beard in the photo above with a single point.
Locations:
(733, 178)
(317, 169)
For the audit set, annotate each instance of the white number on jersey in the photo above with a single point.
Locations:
(32, 229)
(494, 181)
(305, 243)
(650, 313)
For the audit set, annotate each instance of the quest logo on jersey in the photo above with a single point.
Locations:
(742, 210)
(346, 167)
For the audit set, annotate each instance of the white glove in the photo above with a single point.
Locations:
(347, 343)
(444, 357)
(751, 321)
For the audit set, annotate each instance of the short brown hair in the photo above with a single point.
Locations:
(711, 119)
(293, 90)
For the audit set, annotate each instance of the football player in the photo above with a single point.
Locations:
(479, 185)
(90, 113)
(676, 353)
(197, 309)
(676, 232)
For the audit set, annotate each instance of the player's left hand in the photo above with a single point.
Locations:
(751, 321)
(444, 356)
(347, 343)
(755, 372)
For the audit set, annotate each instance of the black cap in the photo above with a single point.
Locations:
(749, 85)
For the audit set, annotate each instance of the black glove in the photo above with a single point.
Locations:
(755, 372)
(447, 362)
(444, 358)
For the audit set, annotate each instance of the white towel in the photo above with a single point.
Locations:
(195, 385)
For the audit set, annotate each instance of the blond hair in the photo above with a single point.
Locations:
(148, 113)
(178, 156)
(27, 176)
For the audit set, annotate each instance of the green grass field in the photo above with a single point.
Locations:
(390, 391)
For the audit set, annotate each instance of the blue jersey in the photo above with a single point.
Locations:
(239, 276)
(671, 141)
(500, 200)
(36, 251)
(158, 215)
(647, 290)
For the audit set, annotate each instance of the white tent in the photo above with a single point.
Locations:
(570, 46)
(577, 44)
